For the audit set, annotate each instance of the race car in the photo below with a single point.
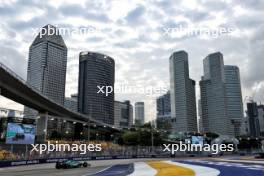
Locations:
(18, 136)
(70, 164)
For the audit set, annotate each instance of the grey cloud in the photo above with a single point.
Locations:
(8, 11)
(256, 61)
(251, 4)
(170, 7)
(215, 5)
(247, 22)
(72, 10)
(78, 10)
(14, 60)
(197, 16)
(36, 22)
(135, 15)
(94, 39)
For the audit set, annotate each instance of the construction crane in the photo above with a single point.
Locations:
(251, 98)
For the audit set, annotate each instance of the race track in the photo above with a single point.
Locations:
(168, 167)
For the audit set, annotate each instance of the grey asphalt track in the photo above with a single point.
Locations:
(49, 169)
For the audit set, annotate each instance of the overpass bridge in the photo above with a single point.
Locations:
(15, 88)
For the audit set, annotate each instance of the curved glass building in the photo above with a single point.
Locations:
(95, 70)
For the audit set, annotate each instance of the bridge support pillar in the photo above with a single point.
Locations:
(42, 124)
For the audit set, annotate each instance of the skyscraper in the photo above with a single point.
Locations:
(183, 105)
(95, 70)
(213, 96)
(47, 64)
(123, 114)
(200, 124)
(253, 121)
(71, 102)
(261, 119)
(234, 97)
(139, 113)
(164, 106)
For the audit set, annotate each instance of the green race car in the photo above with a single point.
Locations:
(70, 164)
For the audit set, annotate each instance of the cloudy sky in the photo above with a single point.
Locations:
(134, 34)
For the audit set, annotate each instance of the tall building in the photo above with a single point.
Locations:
(139, 113)
(213, 96)
(261, 119)
(200, 123)
(163, 104)
(234, 97)
(183, 103)
(253, 121)
(123, 114)
(95, 70)
(163, 107)
(71, 102)
(47, 64)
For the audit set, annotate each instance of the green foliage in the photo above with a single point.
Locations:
(142, 137)
(130, 138)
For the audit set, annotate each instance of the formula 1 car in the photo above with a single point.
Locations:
(18, 136)
(70, 164)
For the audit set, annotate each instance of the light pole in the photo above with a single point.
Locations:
(89, 130)
(152, 138)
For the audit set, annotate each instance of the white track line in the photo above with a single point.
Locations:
(241, 161)
(98, 171)
(199, 170)
(143, 169)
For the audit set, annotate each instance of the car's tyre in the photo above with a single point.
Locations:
(85, 164)
(58, 166)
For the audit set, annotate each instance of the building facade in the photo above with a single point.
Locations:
(96, 70)
(139, 113)
(47, 64)
(163, 107)
(123, 114)
(253, 121)
(213, 96)
(234, 98)
(182, 89)
(261, 119)
(200, 123)
(71, 102)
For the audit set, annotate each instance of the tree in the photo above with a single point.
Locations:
(131, 138)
